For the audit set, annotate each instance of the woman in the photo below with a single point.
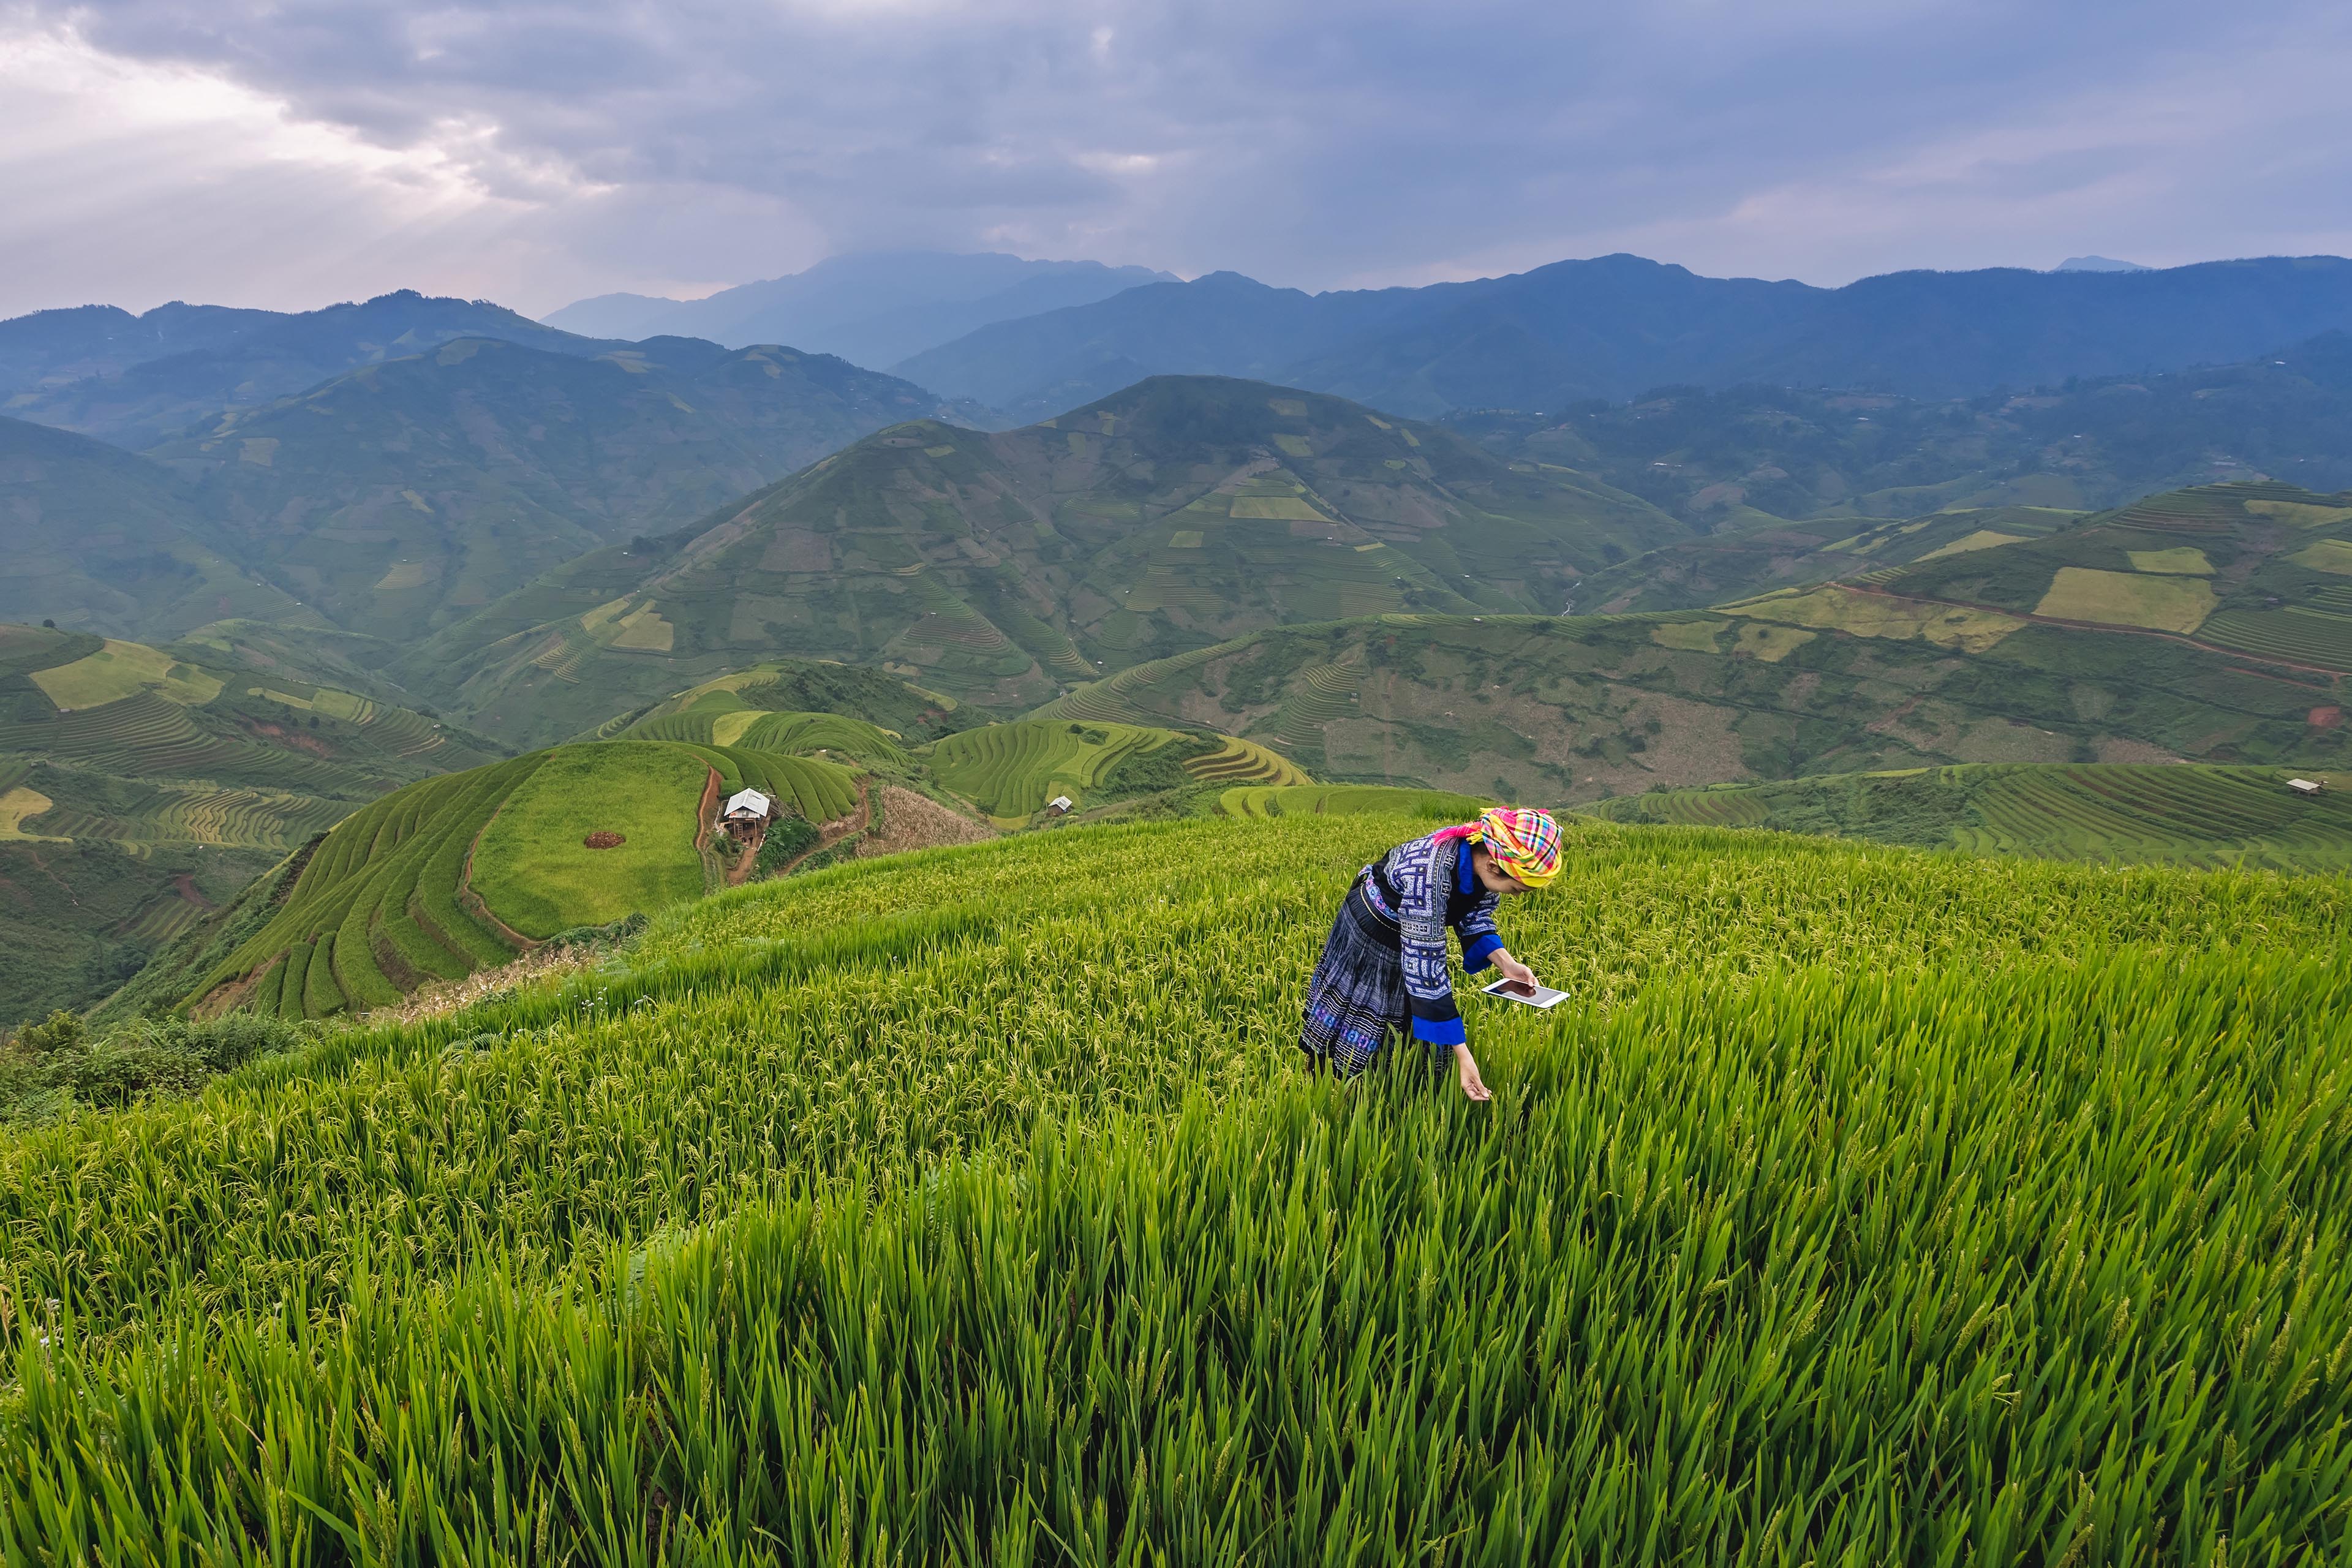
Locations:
(1384, 963)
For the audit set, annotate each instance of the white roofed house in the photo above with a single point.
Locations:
(747, 811)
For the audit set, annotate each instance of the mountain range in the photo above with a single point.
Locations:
(409, 491)
(1003, 568)
(136, 380)
(870, 307)
(1618, 326)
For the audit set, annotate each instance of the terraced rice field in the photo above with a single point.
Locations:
(202, 813)
(386, 904)
(1328, 691)
(1236, 761)
(2212, 509)
(1343, 800)
(1011, 771)
(969, 1206)
(2120, 813)
(2311, 637)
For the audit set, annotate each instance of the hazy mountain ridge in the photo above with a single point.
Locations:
(88, 369)
(404, 492)
(107, 541)
(1615, 327)
(873, 308)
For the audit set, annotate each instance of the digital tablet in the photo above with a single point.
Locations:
(1526, 996)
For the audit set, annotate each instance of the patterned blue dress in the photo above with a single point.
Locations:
(1384, 966)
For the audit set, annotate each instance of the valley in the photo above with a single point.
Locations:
(535, 871)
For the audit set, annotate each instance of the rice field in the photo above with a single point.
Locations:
(465, 872)
(967, 1206)
(2176, 813)
(1011, 771)
(1340, 800)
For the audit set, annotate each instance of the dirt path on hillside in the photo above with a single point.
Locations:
(748, 855)
(833, 832)
(706, 821)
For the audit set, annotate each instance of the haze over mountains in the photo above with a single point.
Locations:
(1616, 326)
(873, 308)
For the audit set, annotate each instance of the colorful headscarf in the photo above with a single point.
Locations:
(1524, 843)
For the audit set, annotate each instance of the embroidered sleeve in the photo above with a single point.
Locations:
(1422, 880)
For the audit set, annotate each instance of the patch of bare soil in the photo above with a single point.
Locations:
(604, 838)
(912, 821)
(449, 995)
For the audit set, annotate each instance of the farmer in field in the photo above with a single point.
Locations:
(1384, 964)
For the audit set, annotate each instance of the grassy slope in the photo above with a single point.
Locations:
(2126, 813)
(1836, 680)
(1011, 771)
(1000, 568)
(405, 494)
(104, 541)
(796, 687)
(175, 775)
(535, 873)
(1004, 1144)
(2246, 568)
(1713, 458)
(384, 905)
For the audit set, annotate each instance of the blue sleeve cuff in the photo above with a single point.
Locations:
(1439, 1031)
(1476, 953)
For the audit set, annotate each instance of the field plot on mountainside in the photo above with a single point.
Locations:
(1018, 1127)
(2297, 633)
(122, 669)
(2178, 814)
(17, 803)
(534, 869)
(2165, 603)
(1872, 614)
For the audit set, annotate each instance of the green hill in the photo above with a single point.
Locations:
(1763, 554)
(2262, 571)
(410, 492)
(788, 691)
(1856, 1205)
(1837, 678)
(1717, 459)
(1012, 771)
(2124, 813)
(444, 877)
(142, 787)
(108, 541)
(1001, 568)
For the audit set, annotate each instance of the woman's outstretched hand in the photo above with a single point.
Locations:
(1466, 1072)
(1512, 969)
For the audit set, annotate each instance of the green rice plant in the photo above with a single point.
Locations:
(967, 1205)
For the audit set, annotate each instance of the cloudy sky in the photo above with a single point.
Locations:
(293, 153)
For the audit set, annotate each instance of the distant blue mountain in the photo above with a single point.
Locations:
(2100, 264)
(1616, 326)
(871, 308)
